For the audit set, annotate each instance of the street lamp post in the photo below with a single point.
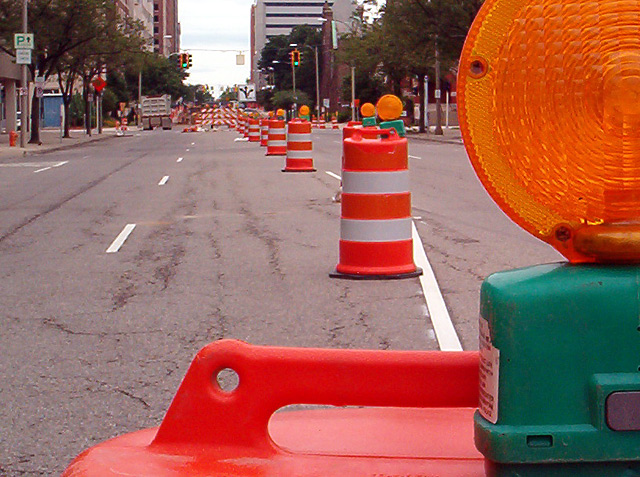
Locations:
(353, 93)
(293, 73)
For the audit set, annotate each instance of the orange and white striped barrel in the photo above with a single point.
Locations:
(245, 126)
(299, 147)
(334, 123)
(376, 224)
(264, 132)
(277, 142)
(254, 130)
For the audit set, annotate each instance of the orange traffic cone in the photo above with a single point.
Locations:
(375, 227)
(299, 147)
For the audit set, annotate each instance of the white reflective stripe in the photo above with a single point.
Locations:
(276, 131)
(277, 143)
(391, 230)
(298, 154)
(393, 182)
(299, 137)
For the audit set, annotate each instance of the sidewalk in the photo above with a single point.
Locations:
(450, 136)
(51, 141)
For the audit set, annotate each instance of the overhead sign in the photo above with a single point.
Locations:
(23, 56)
(246, 92)
(23, 41)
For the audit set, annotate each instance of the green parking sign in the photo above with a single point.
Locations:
(23, 41)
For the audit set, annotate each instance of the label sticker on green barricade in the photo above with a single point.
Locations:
(489, 374)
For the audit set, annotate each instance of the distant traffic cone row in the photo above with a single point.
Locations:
(277, 142)
(376, 225)
(299, 147)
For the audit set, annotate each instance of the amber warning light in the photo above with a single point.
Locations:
(549, 96)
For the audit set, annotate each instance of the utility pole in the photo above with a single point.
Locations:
(353, 93)
(317, 85)
(438, 131)
(140, 98)
(25, 89)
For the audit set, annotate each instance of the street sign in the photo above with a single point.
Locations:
(23, 57)
(23, 41)
(39, 81)
(22, 90)
(326, 103)
(90, 97)
(246, 92)
(99, 84)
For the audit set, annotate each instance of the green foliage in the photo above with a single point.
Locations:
(286, 99)
(275, 59)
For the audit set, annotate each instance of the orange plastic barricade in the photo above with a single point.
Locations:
(254, 130)
(277, 143)
(419, 421)
(245, 127)
(299, 147)
(375, 226)
(334, 123)
(264, 132)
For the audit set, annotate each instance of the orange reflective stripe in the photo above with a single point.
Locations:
(376, 207)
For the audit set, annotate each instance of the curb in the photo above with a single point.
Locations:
(431, 138)
(58, 148)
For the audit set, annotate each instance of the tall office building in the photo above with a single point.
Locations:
(141, 10)
(166, 29)
(278, 17)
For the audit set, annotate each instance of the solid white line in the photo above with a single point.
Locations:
(335, 176)
(163, 181)
(415, 157)
(440, 319)
(117, 243)
(61, 163)
(180, 159)
(42, 170)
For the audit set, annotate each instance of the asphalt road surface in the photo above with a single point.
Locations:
(219, 243)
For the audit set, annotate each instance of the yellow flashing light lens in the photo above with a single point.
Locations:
(304, 110)
(280, 113)
(368, 110)
(389, 107)
(549, 102)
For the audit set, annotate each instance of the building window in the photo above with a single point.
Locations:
(156, 30)
(156, 18)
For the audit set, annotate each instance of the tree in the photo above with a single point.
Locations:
(286, 99)
(276, 53)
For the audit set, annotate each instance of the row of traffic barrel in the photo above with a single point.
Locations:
(292, 140)
(376, 240)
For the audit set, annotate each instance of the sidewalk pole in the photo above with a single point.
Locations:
(25, 90)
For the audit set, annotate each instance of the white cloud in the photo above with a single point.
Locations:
(216, 25)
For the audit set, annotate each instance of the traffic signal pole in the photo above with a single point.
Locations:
(25, 89)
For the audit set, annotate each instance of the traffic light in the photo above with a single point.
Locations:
(184, 61)
(295, 58)
(189, 60)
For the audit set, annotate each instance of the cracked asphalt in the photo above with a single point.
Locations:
(94, 345)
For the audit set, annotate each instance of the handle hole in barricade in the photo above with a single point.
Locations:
(227, 380)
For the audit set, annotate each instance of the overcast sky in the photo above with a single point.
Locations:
(216, 25)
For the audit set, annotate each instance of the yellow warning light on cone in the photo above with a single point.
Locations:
(280, 113)
(368, 110)
(304, 110)
(550, 115)
(389, 107)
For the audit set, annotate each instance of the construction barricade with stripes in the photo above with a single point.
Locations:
(376, 228)
(299, 147)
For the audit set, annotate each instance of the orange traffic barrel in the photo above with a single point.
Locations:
(413, 415)
(299, 147)
(245, 126)
(264, 132)
(277, 142)
(334, 123)
(254, 130)
(376, 225)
